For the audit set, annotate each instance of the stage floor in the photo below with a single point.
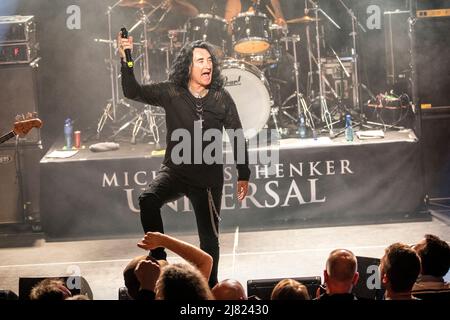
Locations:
(257, 255)
(148, 150)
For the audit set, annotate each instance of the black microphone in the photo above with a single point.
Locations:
(128, 57)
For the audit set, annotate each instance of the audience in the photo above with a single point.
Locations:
(289, 289)
(399, 268)
(229, 290)
(142, 272)
(182, 281)
(50, 289)
(340, 276)
(406, 273)
(434, 256)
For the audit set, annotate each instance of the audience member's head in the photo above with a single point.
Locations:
(78, 297)
(341, 273)
(182, 281)
(50, 289)
(131, 281)
(289, 289)
(229, 290)
(399, 268)
(434, 256)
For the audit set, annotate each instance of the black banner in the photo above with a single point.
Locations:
(342, 184)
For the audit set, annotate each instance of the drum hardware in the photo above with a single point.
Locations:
(251, 33)
(135, 118)
(302, 107)
(324, 111)
(304, 19)
(139, 4)
(356, 84)
(211, 28)
(251, 93)
(109, 112)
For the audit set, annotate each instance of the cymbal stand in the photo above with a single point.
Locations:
(109, 112)
(325, 113)
(138, 119)
(302, 107)
(310, 80)
(355, 77)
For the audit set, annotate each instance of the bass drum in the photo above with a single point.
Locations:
(250, 91)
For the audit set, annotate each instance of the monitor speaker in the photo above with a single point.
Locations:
(18, 95)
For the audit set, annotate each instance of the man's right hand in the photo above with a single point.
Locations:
(123, 43)
(152, 240)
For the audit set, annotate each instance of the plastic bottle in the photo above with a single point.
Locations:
(302, 127)
(348, 128)
(68, 133)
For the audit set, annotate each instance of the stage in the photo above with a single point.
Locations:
(323, 182)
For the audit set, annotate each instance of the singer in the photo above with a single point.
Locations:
(194, 92)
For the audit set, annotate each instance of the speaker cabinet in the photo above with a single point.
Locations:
(397, 44)
(19, 183)
(435, 151)
(18, 95)
(433, 60)
(262, 288)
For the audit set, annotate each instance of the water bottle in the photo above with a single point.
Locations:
(348, 128)
(302, 127)
(68, 133)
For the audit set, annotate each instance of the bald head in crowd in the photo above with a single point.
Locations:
(229, 290)
(341, 271)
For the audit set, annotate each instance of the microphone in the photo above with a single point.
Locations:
(128, 57)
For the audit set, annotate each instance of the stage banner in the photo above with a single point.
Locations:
(350, 184)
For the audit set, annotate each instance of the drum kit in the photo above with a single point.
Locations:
(248, 47)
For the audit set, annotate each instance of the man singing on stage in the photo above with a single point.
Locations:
(193, 97)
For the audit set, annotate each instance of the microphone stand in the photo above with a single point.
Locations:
(325, 113)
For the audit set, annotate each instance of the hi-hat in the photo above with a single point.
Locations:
(139, 3)
(304, 19)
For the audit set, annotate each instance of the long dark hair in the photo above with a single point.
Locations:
(179, 72)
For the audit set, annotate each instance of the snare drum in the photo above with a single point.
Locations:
(209, 28)
(251, 33)
(251, 93)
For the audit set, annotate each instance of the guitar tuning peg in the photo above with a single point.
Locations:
(34, 114)
(29, 115)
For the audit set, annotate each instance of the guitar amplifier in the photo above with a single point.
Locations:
(17, 29)
(12, 53)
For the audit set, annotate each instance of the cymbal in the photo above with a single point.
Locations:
(304, 19)
(139, 3)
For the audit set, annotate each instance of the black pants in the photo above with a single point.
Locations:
(167, 188)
